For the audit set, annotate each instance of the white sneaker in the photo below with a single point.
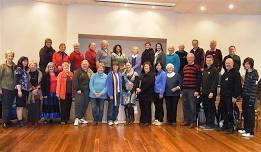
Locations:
(154, 122)
(110, 123)
(116, 122)
(158, 123)
(241, 131)
(83, 121)
(247, 135)
(76, 122)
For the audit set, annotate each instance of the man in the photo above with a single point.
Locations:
(173, 58)
(90, 55)
(76, 57)
(182, 57)
(229, 92)
(209, 91)
(236, 58)
(190, 88)
(104, 56)
(216, 53)
(199, 54)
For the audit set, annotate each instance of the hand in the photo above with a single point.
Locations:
(97, 94)
(73, 99)
(35, 92)
(210, 96)
(196, 94)
(234, 100)
(57, 95)
(174, 89)
(20, 94)
(79, 92)
(45, 97)
(180, 95)
(138, 90)
(111, 97)
(1, 92)
(60, 68)
(202, 69)
(160, 96)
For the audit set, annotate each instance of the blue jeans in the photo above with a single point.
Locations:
(81, 104)
(189, 106)
(97, 109)
(113, 111)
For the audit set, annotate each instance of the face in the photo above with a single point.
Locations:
(51, 68)
(181, 47)
(232, 50)
(213, 45)
(76, 48)
(118, 49)
(115, 68)
(85, 65)
(9, 57)
(128, 66)
(62, 48)
(93, 46)
(48, 44)
(158, 67)
(147, 46)
(25, 63)
(170, 69)
(33, 67)
(146, 68)
(66, 68)
(229, 64)
(104, 45)
(171, 50)
(135, 50)
(190, 59)
(209, 61)
(100, 69)
(194, 44)
(247, 66)
(158, 47)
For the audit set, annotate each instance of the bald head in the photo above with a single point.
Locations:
(181, 47)
(190, 58)
(213, 44)
(229, 64)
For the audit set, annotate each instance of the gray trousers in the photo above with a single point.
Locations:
(189, 106)
(81, 104)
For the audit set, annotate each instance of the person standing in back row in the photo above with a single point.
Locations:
(182, 57)
(199, 54)
(217, 55)
(104, 56)
(148, 55)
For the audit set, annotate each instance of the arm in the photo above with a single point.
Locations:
(203, 58)
(237, 85)
(91, 84)
(199, 79)
(164, 79)
(213, 88)
(58, 87)
(76, 81)
(177, 63)
(109, 85)
(138, 63)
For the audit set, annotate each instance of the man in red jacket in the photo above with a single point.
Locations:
(76, 57)
(90, 55)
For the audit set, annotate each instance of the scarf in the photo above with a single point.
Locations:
(115, 81)
(170, 75)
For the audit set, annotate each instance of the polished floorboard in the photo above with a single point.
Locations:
(122, 138)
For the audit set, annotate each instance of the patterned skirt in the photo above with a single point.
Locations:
(51, 109)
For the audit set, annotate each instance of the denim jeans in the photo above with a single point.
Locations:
(189, 106)
(81, 104)
(97, 109)
(113, 111)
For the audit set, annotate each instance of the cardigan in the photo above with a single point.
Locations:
(111, 87)
(81, 80)
(76, 58)
(7, 77)
(46, 84)
(250, 85)
(60, 57)
(61, 84)
(98, 85)
(90, 55)
(172, 82)
(160, 82)
(173, 59)
(137, 66)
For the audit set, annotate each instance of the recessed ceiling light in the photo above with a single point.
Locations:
(231, 6)
(202, 8)
(125, 5)
(153, 7)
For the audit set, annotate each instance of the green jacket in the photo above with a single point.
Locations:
(7, 77)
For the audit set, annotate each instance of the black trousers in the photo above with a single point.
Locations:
(107, 70)
(209, 110)
(65, 106)
(129, 113)
(145, 109)
(159, 112)
(7, 102)
(172, 104)
(249, 115)
(0, 106)
(227, 111)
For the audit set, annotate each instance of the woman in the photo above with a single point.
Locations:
(76, 57)
(114, 86)
(98, 93)
(159, 54)
(51, 108)
(135, 59)
(22, 86)
(148, 55)
(46, 54)
(64, 92)
(172, 58)
(60, 57)
(130, 83)
(172, 93)
(35, 94)
(81, 79)
(119, 57)
(7, 86)
(146, 91)
(249, 97)
(90, 55)
(159, 89)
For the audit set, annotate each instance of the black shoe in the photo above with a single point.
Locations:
(6, 125)
(229, 131)
(20, 124)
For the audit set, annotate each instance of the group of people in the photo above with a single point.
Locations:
(150, 77)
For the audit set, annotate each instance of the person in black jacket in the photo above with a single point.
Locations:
(236, 58)
(199, 54)
(145, 92)
(229, 93)
(46, 54)
(209, 91)
(183, 58)
(148, 55)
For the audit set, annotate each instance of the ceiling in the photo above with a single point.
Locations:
(188, 6)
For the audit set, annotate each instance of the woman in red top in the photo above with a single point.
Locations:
(76, 57)
(90, 55)
(60, 57)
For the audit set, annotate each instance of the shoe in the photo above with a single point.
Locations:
(192, 126)
(110, 123)
(158, 123)
(20, 124)
(241, 131)
(203, 126)
(155, 122)
(63, 123)
(247, 135)
(229, 131)
(6, 125)
(83, 121)
(76, 122)
(185, 124)
(116, 122)
(208, 128)
(95, 123)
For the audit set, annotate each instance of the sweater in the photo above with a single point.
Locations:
(199, 56)
(76, 59)
(183, 60)
(81, 80)
(231, 84)
(217, 55)
(114, 87)
(159, 57)
(46, 84)
(7, 77)
(90, 55)
(45, 55)
(58, 59)
(147, 81)
(61, 88)
(148, 56)
(192, 77)
(121, 59)
(236, 59)
(98, 85)
(22, 78)
(171, 83)
(137, 65)
(250, 85)
(210, 80)
(104, 56)
(173, 59)
(160, 82)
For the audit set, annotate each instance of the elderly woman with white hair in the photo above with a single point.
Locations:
(7, 86)
(172, 93)
(76, 57)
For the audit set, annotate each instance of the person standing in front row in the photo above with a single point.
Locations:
(81, 79)
(135, 59)
(98, 93)
(230, 90)
(199, 54)
(190, 89)
(249, 94)
(148, 55)
(209, 91)
(114, 86)
(172, 93)
(64, 92)
(104, 56)
(145, 92)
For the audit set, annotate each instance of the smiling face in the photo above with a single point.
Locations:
(62, 48)
(92, 46)
(51, 68)
(146, 68)
(10, 57)
(76, 47)
(25, 63)
(190, 58)
(158, 47)
(100, 69)
(128, 66)
(195, 44)
(33, 67)
(147, 46)
(85, 65)
(158, 67)
(229, 64)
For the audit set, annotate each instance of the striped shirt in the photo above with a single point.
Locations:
(191, 77)
(250, 85)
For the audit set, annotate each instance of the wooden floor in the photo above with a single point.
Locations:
(103, 138)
